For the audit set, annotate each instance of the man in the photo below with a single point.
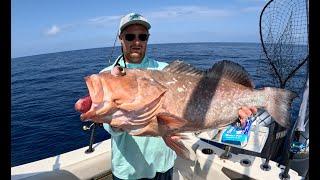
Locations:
(135, 157)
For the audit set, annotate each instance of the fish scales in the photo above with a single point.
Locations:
(205, 100)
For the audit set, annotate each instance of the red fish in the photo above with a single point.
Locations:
(177, 99)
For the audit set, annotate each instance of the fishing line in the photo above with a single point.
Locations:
(112, 50)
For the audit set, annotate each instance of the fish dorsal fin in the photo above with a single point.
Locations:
(181, 67)
(231, 71)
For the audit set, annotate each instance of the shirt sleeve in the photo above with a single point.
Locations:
(162, 65)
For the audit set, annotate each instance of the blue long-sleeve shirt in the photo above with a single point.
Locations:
(135, 157)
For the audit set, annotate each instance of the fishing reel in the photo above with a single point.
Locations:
(86, 128)
(92, 128)
(295, 148)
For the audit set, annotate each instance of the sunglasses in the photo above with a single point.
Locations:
(141, 37)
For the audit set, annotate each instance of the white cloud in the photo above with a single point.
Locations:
(53, 30)
(189, 11)
(104, 20)
(168, 13)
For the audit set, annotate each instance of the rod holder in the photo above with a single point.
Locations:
(295, 147)
(86, 128)
(265, 166)
(226, 154)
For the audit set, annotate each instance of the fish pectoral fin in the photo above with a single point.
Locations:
(148, 130)
(170, 121)
(175, 143)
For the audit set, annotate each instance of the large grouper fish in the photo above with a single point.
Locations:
(179, 98)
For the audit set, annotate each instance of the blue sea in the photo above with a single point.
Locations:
(45, 87)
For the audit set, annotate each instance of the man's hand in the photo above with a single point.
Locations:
(118, 71)
(244, 112)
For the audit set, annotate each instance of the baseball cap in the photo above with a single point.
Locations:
(133, 18)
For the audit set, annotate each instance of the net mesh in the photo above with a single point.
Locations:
(284, 40)
(284, 62)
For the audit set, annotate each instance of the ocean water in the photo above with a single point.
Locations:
(45, 87)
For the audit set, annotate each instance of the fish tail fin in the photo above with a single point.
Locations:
(278, 105)
(175, 143)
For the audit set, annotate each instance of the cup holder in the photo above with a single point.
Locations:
(245, 162)
(207, 151)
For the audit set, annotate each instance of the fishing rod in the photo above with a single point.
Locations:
(93, 126)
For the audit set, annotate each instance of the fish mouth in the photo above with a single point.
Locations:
(100, 107)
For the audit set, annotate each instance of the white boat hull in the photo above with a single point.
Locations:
(79, 165)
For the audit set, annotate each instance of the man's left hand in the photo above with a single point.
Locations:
(245, 112)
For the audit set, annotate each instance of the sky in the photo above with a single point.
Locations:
(46, 26)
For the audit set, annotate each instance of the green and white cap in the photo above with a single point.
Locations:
(133, 18)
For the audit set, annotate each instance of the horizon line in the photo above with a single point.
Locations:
(119, 46)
